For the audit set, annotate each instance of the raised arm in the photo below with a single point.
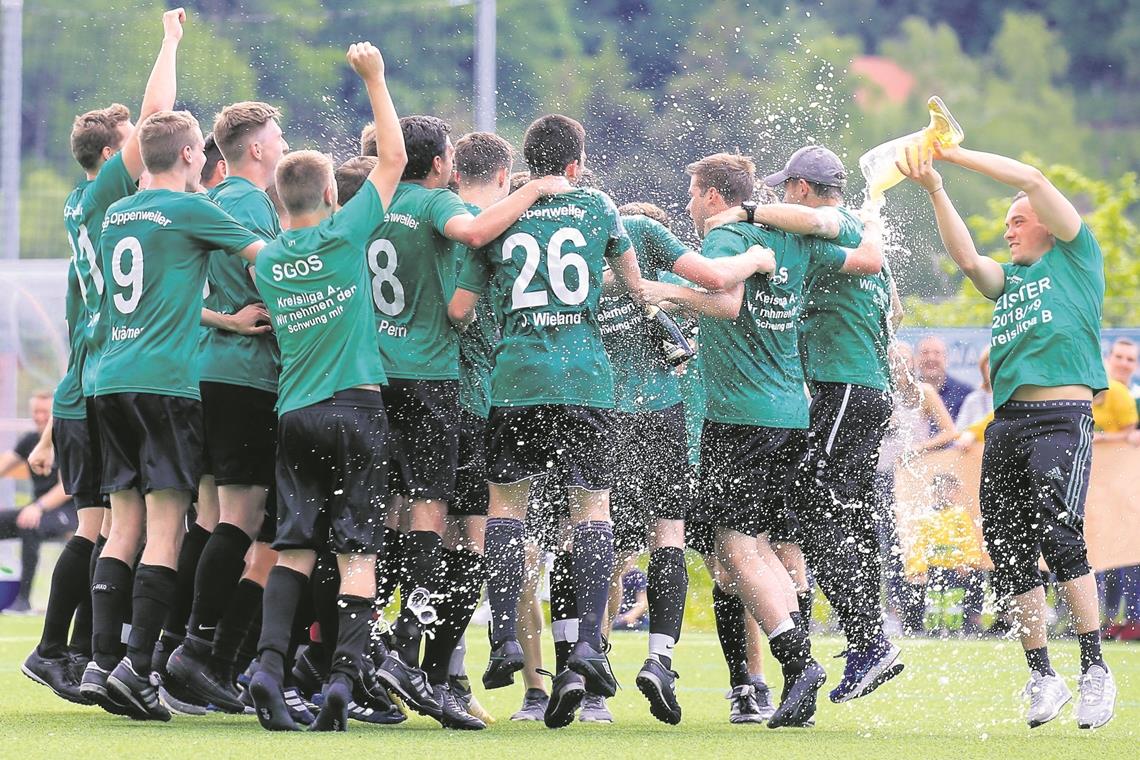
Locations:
(366, 61)
(161, 87)
(478, 231)
(897, 310)
(1052, 208)
(986, 274)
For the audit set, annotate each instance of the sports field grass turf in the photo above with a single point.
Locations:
(955, 700)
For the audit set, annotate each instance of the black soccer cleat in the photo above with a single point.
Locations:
(138, 692)
(566, 694)
(797, 706)
(594, 666)
(269, 703)
(452, 712)
(334, 708)
(410, 684)
(93, 687)
(197, 676)
(506, 659)
(371, 698)
(656, 682)
(54, 673)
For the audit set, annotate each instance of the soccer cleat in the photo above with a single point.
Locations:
(506, 659)
(76, 664)
(334, 708)
(867, 670)
(461, 688)
(763, 697)
(533, 707)
(452, 713)
(269, 703)
(1097, 701)
(177, 698)
(594, 666)
(368, 715)
(656, 682)
(93, 687)
(1047, 695)
(302, 711)
(199, 678)
(801, 691)
(594, 710)
(743, 707)
(308, 677)
(410, 684)
(139, 693)
(566, 693)
(54, 673)
(371, 699)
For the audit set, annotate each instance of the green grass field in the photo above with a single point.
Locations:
(955, 700)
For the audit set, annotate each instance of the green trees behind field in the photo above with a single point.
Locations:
(657, 83)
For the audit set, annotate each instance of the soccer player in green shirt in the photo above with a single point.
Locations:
(551, 389)
(756, 405)
(238, 381)
(843, 332)
(411, 258)
(155, 245)
(1046, 367)
(332, 429)
(105, 144)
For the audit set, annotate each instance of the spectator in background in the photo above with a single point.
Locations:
(633, 614)
(930, 366)
(1122, 364)
(980, 402)
(51, 514)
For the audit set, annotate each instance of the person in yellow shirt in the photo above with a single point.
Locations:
(946, 552)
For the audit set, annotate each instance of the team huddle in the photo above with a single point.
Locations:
(400, 373)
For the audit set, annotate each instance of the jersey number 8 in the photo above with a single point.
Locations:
(557, 263)
(385, 274)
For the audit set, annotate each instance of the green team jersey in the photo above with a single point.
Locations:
(1046, 323)
(642, 382)
(154, 248)
(227, 357)
(413, 275)
(850, 229)
(544, 278)
(83, 213)
(751, 364)
(315, 284)
(476, 347)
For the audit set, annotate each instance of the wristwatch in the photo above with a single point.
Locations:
(749, 209)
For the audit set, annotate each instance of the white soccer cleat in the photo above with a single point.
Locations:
(1047, 695)
(1097, 701)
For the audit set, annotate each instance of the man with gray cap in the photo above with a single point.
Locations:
(843, 335)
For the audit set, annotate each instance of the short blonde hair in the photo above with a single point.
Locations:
(163, 135)
(733, 175)
(302, 178)
(95, 130)
(237, 122)
(368, 146)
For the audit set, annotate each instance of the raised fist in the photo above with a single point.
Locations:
(365, 59)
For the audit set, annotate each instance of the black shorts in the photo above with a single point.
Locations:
(423, 420)
(1035, 476)
(150, 442)
(652, 477)
(785, 527)
(527, 441)
(76, 444)
(241, 434)
(332, 474)
(471, 496)
(745, 470)
(847, 427)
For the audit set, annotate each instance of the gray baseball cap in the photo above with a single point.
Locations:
(814, 163)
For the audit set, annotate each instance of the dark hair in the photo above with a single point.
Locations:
(95, 130)
(827, 192)
(552, 142)
(351, 176)
(656, 213)
(480, 155)
(733, 175)
(213, 156)
(425, 137)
